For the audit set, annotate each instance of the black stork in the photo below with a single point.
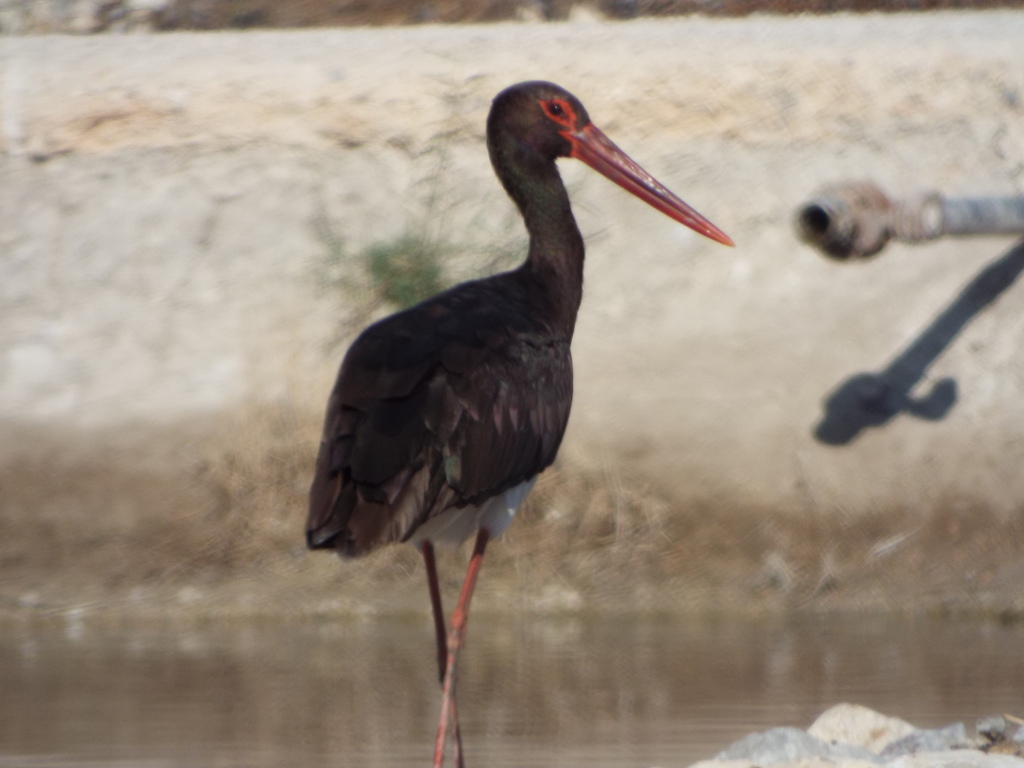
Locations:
(444, 414)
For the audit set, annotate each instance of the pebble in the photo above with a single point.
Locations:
(992, 728)
(936, 740)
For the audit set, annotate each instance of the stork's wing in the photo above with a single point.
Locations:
(440, 406)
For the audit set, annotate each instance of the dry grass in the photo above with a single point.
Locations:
(123, 15)
(246, 14)
(213, 521)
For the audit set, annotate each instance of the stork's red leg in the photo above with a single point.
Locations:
(456, 635)
(435, 603)
(442, 638)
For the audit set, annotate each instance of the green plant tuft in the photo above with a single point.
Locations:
(405, 271)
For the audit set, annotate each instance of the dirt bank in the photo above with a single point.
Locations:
(208, 522)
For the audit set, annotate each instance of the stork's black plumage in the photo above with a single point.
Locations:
(444, 405)
(443, 414)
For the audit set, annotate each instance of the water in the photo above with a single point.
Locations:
(533, 693)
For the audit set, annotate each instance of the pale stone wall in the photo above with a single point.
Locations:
(163, 202)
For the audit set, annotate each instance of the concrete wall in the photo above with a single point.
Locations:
(164, 202)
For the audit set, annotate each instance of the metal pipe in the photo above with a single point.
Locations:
(983, 216)
(854, 220)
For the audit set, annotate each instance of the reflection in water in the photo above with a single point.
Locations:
(595, 692)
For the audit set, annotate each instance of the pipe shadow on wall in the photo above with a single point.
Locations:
(873, 399)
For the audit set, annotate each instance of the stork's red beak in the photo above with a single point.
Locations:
(596, 150)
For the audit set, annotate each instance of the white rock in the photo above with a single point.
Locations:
(723, 764)
(791, 745)
(805, 762)
(956, 758)
(854, 724)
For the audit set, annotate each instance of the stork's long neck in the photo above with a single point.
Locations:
(555, 257)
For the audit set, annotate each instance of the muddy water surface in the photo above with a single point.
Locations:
(567, 692)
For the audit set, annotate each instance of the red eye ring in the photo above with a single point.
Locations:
(559, 111)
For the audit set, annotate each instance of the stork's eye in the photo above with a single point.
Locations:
(559, 111)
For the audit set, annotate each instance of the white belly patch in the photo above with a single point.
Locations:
(454, 526)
